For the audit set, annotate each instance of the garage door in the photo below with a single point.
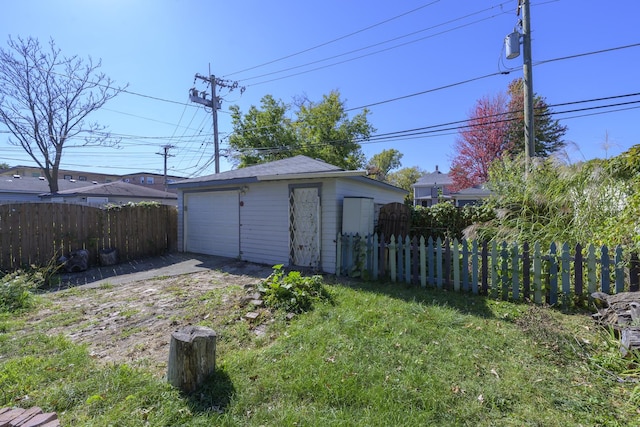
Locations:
(212, 223)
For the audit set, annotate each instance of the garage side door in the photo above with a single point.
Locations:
(212, 223)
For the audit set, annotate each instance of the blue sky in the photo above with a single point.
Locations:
(157, 46)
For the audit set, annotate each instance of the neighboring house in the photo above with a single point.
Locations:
(434, 187)
(147, 179)
(117, 192)
(283, 212)
(470, 196)
(36, 172)
(152, 180)
(17, 189)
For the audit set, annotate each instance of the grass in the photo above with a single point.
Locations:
(379, 355)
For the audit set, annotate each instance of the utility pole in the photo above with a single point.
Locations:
(214, 104)
(512, 45)
(166, 154)
(529, 125)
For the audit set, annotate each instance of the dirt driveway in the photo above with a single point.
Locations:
(127, 313)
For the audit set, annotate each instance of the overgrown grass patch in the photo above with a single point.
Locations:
(380, 354)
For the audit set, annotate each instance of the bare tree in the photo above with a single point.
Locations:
(45, 99)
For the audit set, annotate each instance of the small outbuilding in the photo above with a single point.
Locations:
(284, 212)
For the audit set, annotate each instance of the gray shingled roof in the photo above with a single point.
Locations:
(34, 185)
(118, 188)
(434, 178)
(292, 165)
(478, 190)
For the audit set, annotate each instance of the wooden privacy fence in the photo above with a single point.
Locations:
(37, 233)
(559, 275)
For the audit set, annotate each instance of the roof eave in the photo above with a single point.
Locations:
(312, 175)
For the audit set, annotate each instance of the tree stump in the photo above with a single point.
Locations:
(192, 357)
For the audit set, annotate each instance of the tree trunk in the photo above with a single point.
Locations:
(192, 357)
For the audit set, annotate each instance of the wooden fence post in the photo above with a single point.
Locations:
(192, 357)
(495, 265)
(456, 265)
(634, 271)
(591, 270)
(553, 275)
(439, 280)
(537, 273)
(578, 270)
(605, 272)
(423, 263)
(485, 269)
(465, 265)
(392, 259)
(430, 261)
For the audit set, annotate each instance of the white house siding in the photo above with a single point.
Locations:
(264, 223)
(264, 216)
(333, 196)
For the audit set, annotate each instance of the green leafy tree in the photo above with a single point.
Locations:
(405, 178)
(319, 130)
(4, 166)
(263, 134)
(549, 133)
(46, 99)
(384, 162)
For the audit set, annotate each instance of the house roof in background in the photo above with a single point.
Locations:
(160, 175)
(32, 185)
(116, 188)
(434, 178)
(476, 191)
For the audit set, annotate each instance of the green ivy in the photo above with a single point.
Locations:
(444, 220)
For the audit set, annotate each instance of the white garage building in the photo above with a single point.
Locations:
(284, 212)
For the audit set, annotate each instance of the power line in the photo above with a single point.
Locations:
(371, 53)
(383, 42)
(449, 126)
(334, 40)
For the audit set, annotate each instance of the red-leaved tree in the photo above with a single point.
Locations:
(482, 140)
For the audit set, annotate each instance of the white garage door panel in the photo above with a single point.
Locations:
(213, 223)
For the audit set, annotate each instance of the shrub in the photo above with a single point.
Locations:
(16, 291)
(292, 292)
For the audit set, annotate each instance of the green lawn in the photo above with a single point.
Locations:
(379, 355)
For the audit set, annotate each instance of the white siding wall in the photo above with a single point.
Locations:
(264, 217)
(348, 188)
(264, 223)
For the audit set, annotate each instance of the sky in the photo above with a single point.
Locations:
(414, 64)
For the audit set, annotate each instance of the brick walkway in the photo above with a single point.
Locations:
(32, 417)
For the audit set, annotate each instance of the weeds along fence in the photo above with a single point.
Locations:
(559, 275)
(37, 233)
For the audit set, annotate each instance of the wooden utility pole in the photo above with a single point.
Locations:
(529, 126)
(166, 154)
(214, 104)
